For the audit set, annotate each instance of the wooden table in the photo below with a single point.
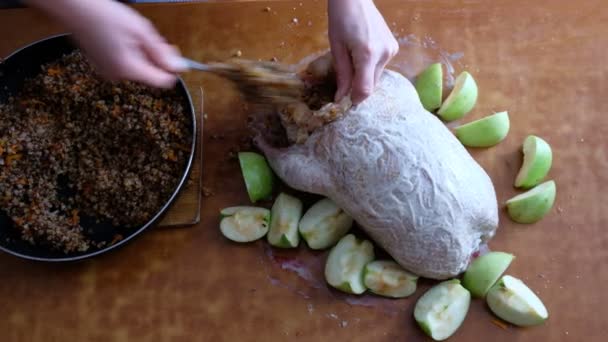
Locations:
(542, 61)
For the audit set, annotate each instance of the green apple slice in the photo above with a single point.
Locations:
(485, 132)
(442, 309)
(257, 174)
(513, 301)
(461, 100)
(532, 205)
(324, 224)
(537, 162)
(386, 278)
(346, 262)
(429, 85)
(284, 218)
(485, 271)
(244, 224)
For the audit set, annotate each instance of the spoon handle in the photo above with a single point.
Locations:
(196, 65)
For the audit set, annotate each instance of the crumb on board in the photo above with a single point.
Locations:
(217, 136)
(237, 53)
(207, 192)
(500, 324)
(205, 116)
(295, 21)
(267, 9)
(274, 59)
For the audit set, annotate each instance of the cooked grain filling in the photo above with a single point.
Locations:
(72, 144)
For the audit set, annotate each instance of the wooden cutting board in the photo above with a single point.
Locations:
(543, 61)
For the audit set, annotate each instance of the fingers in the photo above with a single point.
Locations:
(364, 77)
(344, 70)
(137, 67)
(155, 61)
(383, 62)
(159, 51)
(369, 65)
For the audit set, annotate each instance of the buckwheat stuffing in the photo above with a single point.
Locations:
(73, 145)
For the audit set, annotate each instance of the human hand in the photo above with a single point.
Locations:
(120, 42)
(362, 45)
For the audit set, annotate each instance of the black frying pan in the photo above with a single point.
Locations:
(25, 63)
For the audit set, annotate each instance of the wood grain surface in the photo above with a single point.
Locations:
(543, 61)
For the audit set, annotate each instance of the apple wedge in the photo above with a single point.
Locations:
(257, 174)
(485, 132)
(511, 300)
(429, 85)
(386, 278)
(244, 224)
(461, 100)
(346, 262)
(324, 224)
(532, 205)
(537, 162)
(442, 309)
(284, 218)
(485, 271)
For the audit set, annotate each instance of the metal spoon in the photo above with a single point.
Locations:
(261, 82)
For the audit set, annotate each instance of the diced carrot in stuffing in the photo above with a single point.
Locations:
(54, 71)
(12, 158)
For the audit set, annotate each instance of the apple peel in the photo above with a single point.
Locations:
(511, 300)
(538, 158)
(346, 262)
(324, 224)
(532, 205)
(244, 224)
(441, 310)
(484, 271)
(461, 100)
(284, 218)
(429, 85)
(257, 174)
(485, 132)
